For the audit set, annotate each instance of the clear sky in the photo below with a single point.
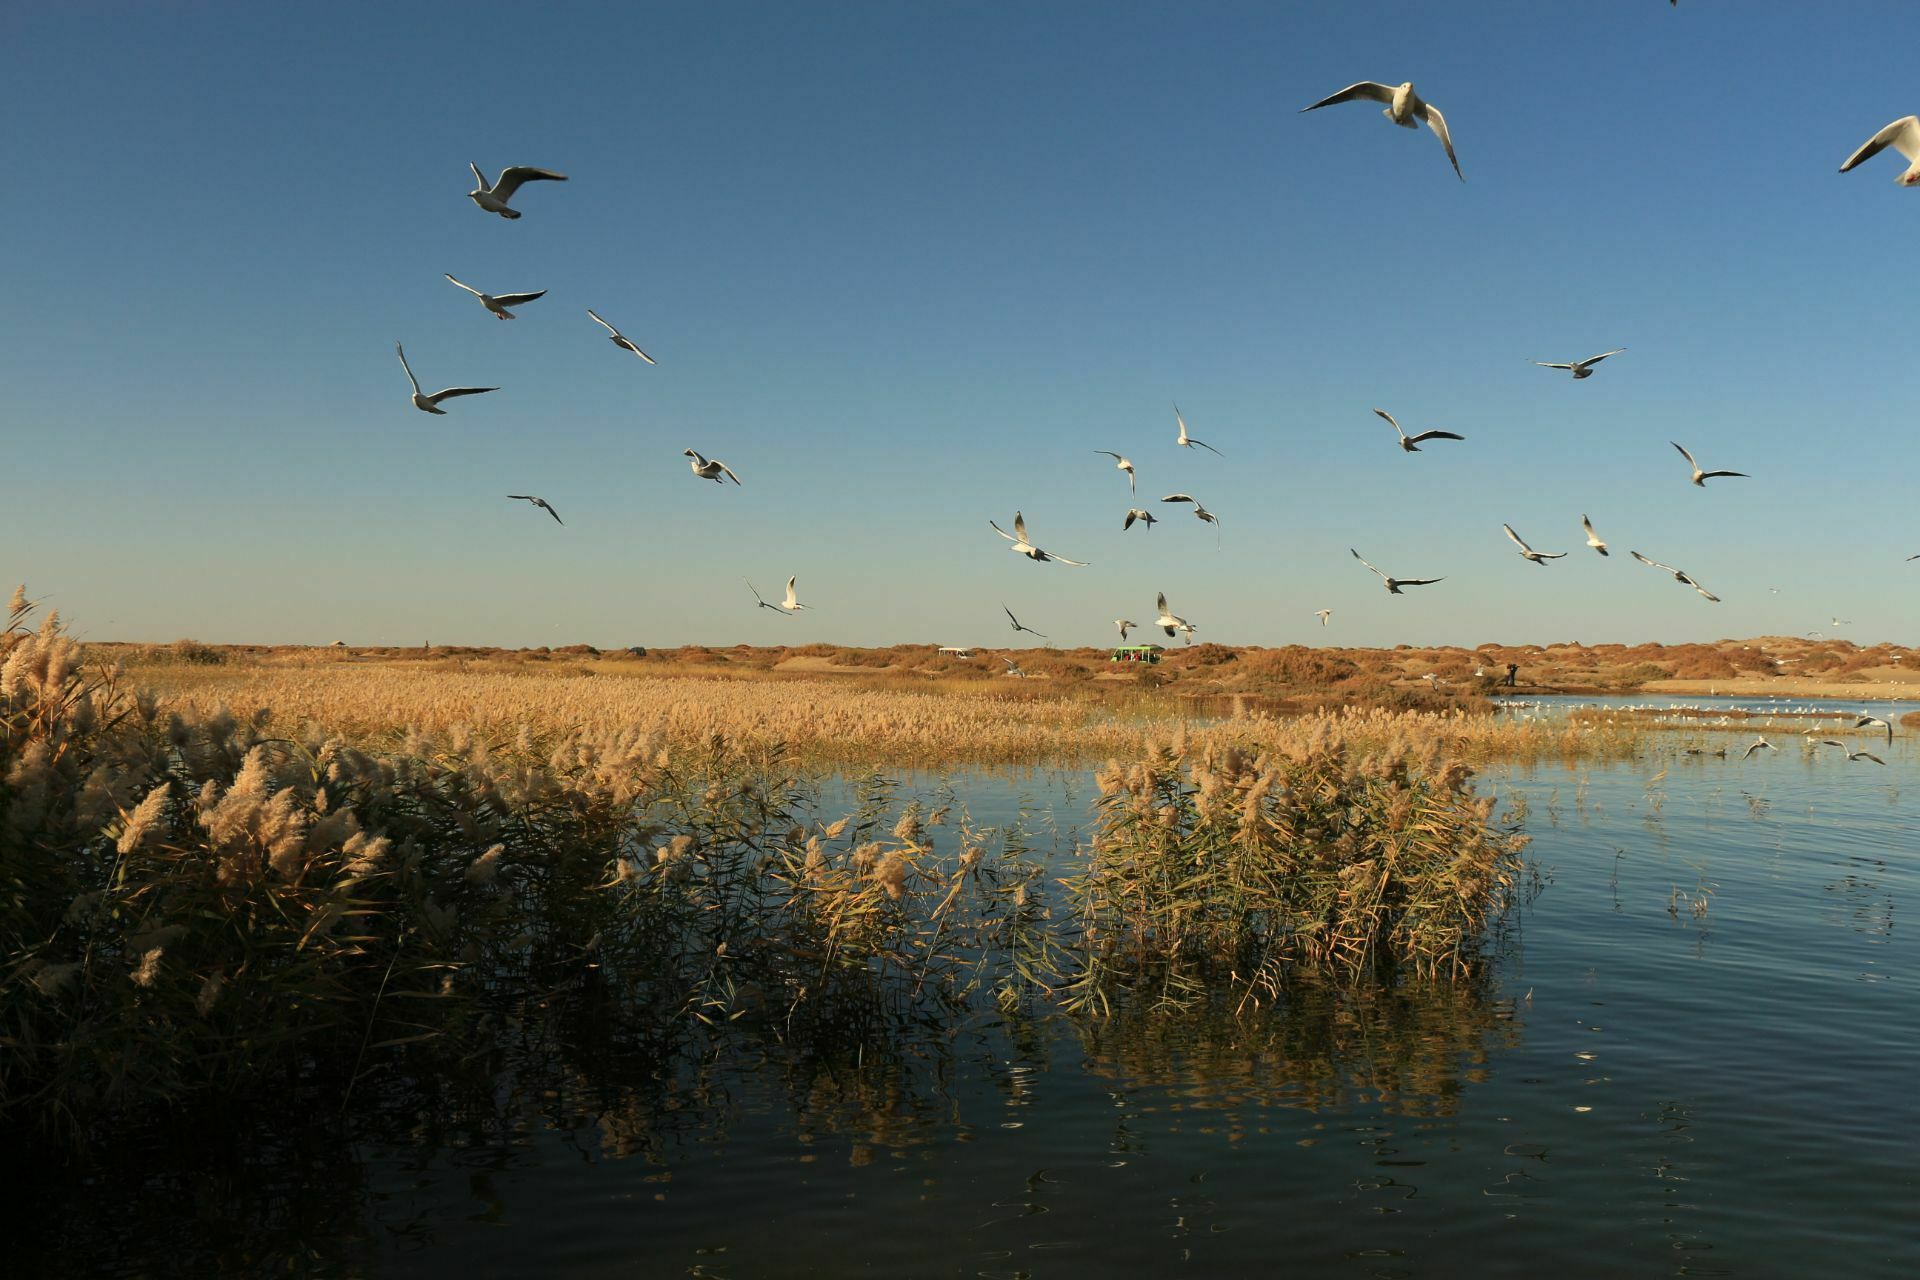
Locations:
(904, 266)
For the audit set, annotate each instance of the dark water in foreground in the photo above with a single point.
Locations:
(1698, 1058)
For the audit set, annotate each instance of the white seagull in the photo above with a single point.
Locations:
(1198, 510)
(498, 304)
(620, 339)
(1027, 548)
(1593, 539)
(542, 503)
(1124, 626)
(709, 470)
(1404, 107)
(1394, 584)
(1145, 517)
(1701, 477)
(1186, 441)
(1122, 464)
(1678, 575)
(493, 196)
(790, 607)
(1323, 615)
(1903, 135)
(1171, 622)
(1757, 744)
(1013, 668)
(1864, 720)
(431, 404)
(1411, 444)
(1580, 368)
(1851, 754)
(1528, 553)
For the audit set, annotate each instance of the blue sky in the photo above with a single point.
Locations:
(904, 267)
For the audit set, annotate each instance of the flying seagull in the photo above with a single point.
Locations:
(791, 605)
(1124, 626)
(1757, 744)
(1841, 622)
(498, 304)
(1411, 444)
(1865, 720)
(1186, 441)
(493, 196)
(1170, 622)
(1394, 584)
(1198, 510)
(1851, 754)
(1404, 107)
(1323, 615)
(619, 339)
(1528, 553)
(1017, 625)
(1701, 477)
(1903, 135)
(431, 404)
(1026, 548)
(1013, 668)
(542, 503)
(1145, 517)
(1580, 368)
(1678, 575)
(1121, 464)
(1593, 539)
(709, 470)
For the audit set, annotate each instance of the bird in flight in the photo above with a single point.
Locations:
(1013, 668)
(1701, 477)
(1865, 720)
(1171, 622)
(1757, 744)
(1026, 548)
(542, 503)
(1678, 575)
(1593, 539)
(1186, 441)
(1851, 754)
(1323, 615)
(1404, 107)
(1125, 626)
(1411, 444)
(493, 196)
(1018, 626)
(709, 470)
(1841, 622)
(1198, 510)
(789, 607)
(1394, 584)
(1528, 553)
(1581, 368)
(431, 404)
(498, 304)
(1145, 517)
(1121, 464)
(620, 339)
(1903, 135)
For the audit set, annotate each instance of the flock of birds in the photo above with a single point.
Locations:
(1403, 107)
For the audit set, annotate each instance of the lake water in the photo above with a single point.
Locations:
(1697, 1057)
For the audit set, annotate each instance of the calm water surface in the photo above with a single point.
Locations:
(1696, 1058)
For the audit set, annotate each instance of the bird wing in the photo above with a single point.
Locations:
(1708, 475)
(1128, 522)
(402, 353)
(1111, 454)
(729, 470)
(1009, 537)
(1866, 755)
(478, 176)
(1390, 418)
(1435, 435)
(1020, 526)
(1204, 445)
(792, 599)
(1517, 540)
(1367, 89)
(756, 593)
(1418, 582)
(1702, 590)
(550, 511)
(451, 392)
(1078, 564)
(515, 299)
(602, 323)
(1552, 364)
(1903, 135)
(622, 340)
(469, 288)
(1588, 526)
(1602, 356)
(1655, 563)
(511, 178)
(1182, 421)
(1438, 123)
(1750, 750)
(1363, 560)
(1180, 497)
(1163, 604)
(1683, 453)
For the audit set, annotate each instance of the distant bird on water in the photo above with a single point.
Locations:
(1528, 553)
(1404, 107)
(1144, 517)
(1411, 444)
(1026, 548)
(709, 470)
(791, 605)
(1121, 464)
(1580, 368)
(1394, 584)
(1018, 626)
(542, 503)
(431, 404)
(498, 304)
(1186, 441)
(1678, 575)
(1903, 135)
(493, 196)
(1593, 539)
(620, 339)
(1701, 477)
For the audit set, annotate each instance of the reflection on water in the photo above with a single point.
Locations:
(1691, 1060)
